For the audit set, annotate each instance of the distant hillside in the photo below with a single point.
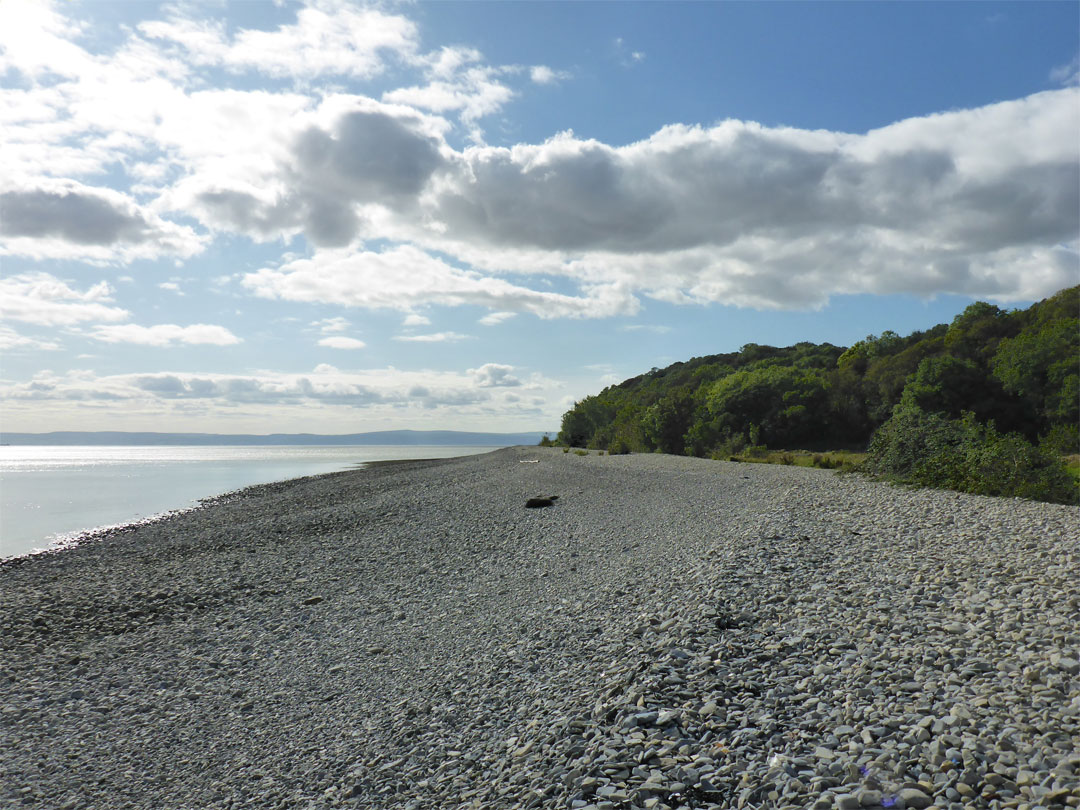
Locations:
(1019, 369)
(388, 437)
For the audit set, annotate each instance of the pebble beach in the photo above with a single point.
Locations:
(666, 633)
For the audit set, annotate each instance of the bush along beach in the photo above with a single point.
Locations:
(931, 450)
(1005, 383)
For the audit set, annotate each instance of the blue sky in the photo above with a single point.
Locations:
(332, 217)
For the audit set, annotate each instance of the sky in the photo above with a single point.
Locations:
(331, 217)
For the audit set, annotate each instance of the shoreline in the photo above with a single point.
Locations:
(409, 635)
(21, 539)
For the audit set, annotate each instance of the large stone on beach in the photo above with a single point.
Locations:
(913, 798)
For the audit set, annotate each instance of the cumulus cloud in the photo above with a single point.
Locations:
(542, 74)
(44, 300)
(66, 219)
(415, 319)
(166, 334)
(349, 156)
(87, 219)
(494, 375)
(961, 202)
(339, 342)
(37, 40)
(981, 202)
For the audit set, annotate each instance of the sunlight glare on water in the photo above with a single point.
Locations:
(48, 494)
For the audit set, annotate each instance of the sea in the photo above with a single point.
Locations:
(51, 495)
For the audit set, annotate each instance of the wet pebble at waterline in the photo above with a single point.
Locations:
(668, 633)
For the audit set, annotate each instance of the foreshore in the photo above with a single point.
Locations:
(671, 632)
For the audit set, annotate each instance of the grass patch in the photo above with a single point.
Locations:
(830, 460)
(581, 452)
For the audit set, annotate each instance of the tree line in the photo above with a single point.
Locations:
(1002, 373)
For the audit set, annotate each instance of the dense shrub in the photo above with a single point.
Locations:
(824, 462)
(1064, 439)
(930, 449)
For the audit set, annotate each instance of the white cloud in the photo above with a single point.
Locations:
(542, 74)
(43, 299)
(448, 61)
(170, 286)
(415, 319)
(337, 41)
(328, 173)
(36, 40)
(404, 277)
(625, 56)
(10, 340)
(66, 219)
(329, 326)
(494, 318)
(962, 202)
(166, 334)
(980, 202)
(1068, 73)
(388, 396)
(477, 92)
(458, 81)
(494, 375)
(436, 337)
(339, 342)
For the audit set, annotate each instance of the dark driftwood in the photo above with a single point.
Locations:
(536, 503)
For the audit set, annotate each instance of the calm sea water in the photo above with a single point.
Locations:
(50, 494)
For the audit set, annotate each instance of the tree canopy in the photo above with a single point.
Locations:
(1014, 371)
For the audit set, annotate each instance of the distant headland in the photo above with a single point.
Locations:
(383, 437)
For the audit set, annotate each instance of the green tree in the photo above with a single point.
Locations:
(1041, 366)
(976, 332)
(576, 428)
(628, 435)
(787, 404)
(666, 421)
(951, 385)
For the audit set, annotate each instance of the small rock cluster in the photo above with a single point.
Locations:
(677, 633)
